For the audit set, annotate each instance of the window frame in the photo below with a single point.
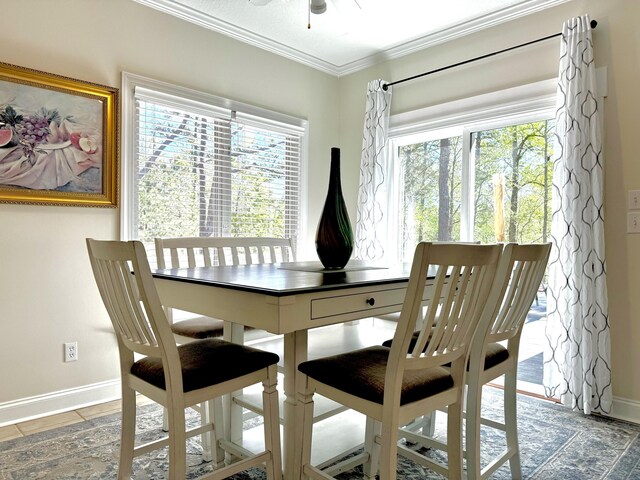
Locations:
(207, 104)
(523, 104)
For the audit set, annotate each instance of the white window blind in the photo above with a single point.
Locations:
(203, 170)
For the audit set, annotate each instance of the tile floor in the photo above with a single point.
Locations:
(29, 427)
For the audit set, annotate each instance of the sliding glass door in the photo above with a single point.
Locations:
(485, 182)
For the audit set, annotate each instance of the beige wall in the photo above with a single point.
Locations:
(617, 46)
(47, 293)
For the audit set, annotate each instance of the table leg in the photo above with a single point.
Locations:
(295, 352)
(233, 332)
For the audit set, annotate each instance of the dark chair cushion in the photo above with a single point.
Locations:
(206, 362)
(495, 355)
(361, 373)
(200, 327)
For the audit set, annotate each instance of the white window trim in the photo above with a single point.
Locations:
(502, 107)
(206, 103)
(461, 117)
(526, 103)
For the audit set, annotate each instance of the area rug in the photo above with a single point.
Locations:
(556, 444)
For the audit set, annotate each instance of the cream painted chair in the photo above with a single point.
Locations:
(174, 376)
(516, 284)
(395, 316)
(212, 251)
(391, 386)
(521, 272)
(191, 252)
(427, 424)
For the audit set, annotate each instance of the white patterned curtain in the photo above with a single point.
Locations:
(577, 363)
(370, 233)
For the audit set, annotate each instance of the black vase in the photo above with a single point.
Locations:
(334, 237)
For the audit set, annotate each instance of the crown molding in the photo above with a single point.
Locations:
(451, 33)
(445, 35)
(207, 21)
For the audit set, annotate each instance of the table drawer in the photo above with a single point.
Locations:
(357, 303)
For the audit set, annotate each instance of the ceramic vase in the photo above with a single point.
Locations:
(334, 236)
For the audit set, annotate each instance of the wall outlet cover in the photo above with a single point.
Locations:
(634, 200)
(71, 351)
(633, 222)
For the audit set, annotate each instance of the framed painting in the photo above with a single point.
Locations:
(58, 140)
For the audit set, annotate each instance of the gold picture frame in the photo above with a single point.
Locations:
(58, 140)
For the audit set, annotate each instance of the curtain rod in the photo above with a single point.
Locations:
(387, 85)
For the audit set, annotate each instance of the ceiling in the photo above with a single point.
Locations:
(351, 34)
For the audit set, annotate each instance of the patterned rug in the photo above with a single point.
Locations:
(556, 444)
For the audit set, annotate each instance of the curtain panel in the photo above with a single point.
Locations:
(577, 362)
(371, 234)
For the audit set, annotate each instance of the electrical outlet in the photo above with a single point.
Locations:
(634, 200)
(71, 352)
(633, 222)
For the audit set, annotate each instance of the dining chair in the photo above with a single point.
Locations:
(193, 252)
(518, 277)
(395, 316)
(175, 376)
(392, 385)
(427, 423)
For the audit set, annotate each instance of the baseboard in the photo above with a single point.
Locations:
(25, 409)
(625, 409)
(38, 406)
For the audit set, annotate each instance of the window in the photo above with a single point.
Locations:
(474, 170)
(198, 165)
(512, 188)
(429, 171)
(479, 170)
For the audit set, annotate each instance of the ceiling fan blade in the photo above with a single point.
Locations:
(259, 3)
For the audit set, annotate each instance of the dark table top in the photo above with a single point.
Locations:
(282, 279)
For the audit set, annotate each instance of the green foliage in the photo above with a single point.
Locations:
(518, 154)
(158, 217)
(50, 115)
(191, 182)
(420, 164)
(10, 117)
(256, 212)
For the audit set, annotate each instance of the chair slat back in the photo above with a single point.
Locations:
(522, 271)
(462, 275)
(130, 298)
(223, 251)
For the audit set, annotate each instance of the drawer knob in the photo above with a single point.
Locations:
(371, 301)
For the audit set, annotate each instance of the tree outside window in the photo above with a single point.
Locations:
(200, 175)
(510, 195)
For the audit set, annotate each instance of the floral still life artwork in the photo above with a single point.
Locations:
(57, 139)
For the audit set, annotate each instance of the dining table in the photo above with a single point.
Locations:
(287, 299)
